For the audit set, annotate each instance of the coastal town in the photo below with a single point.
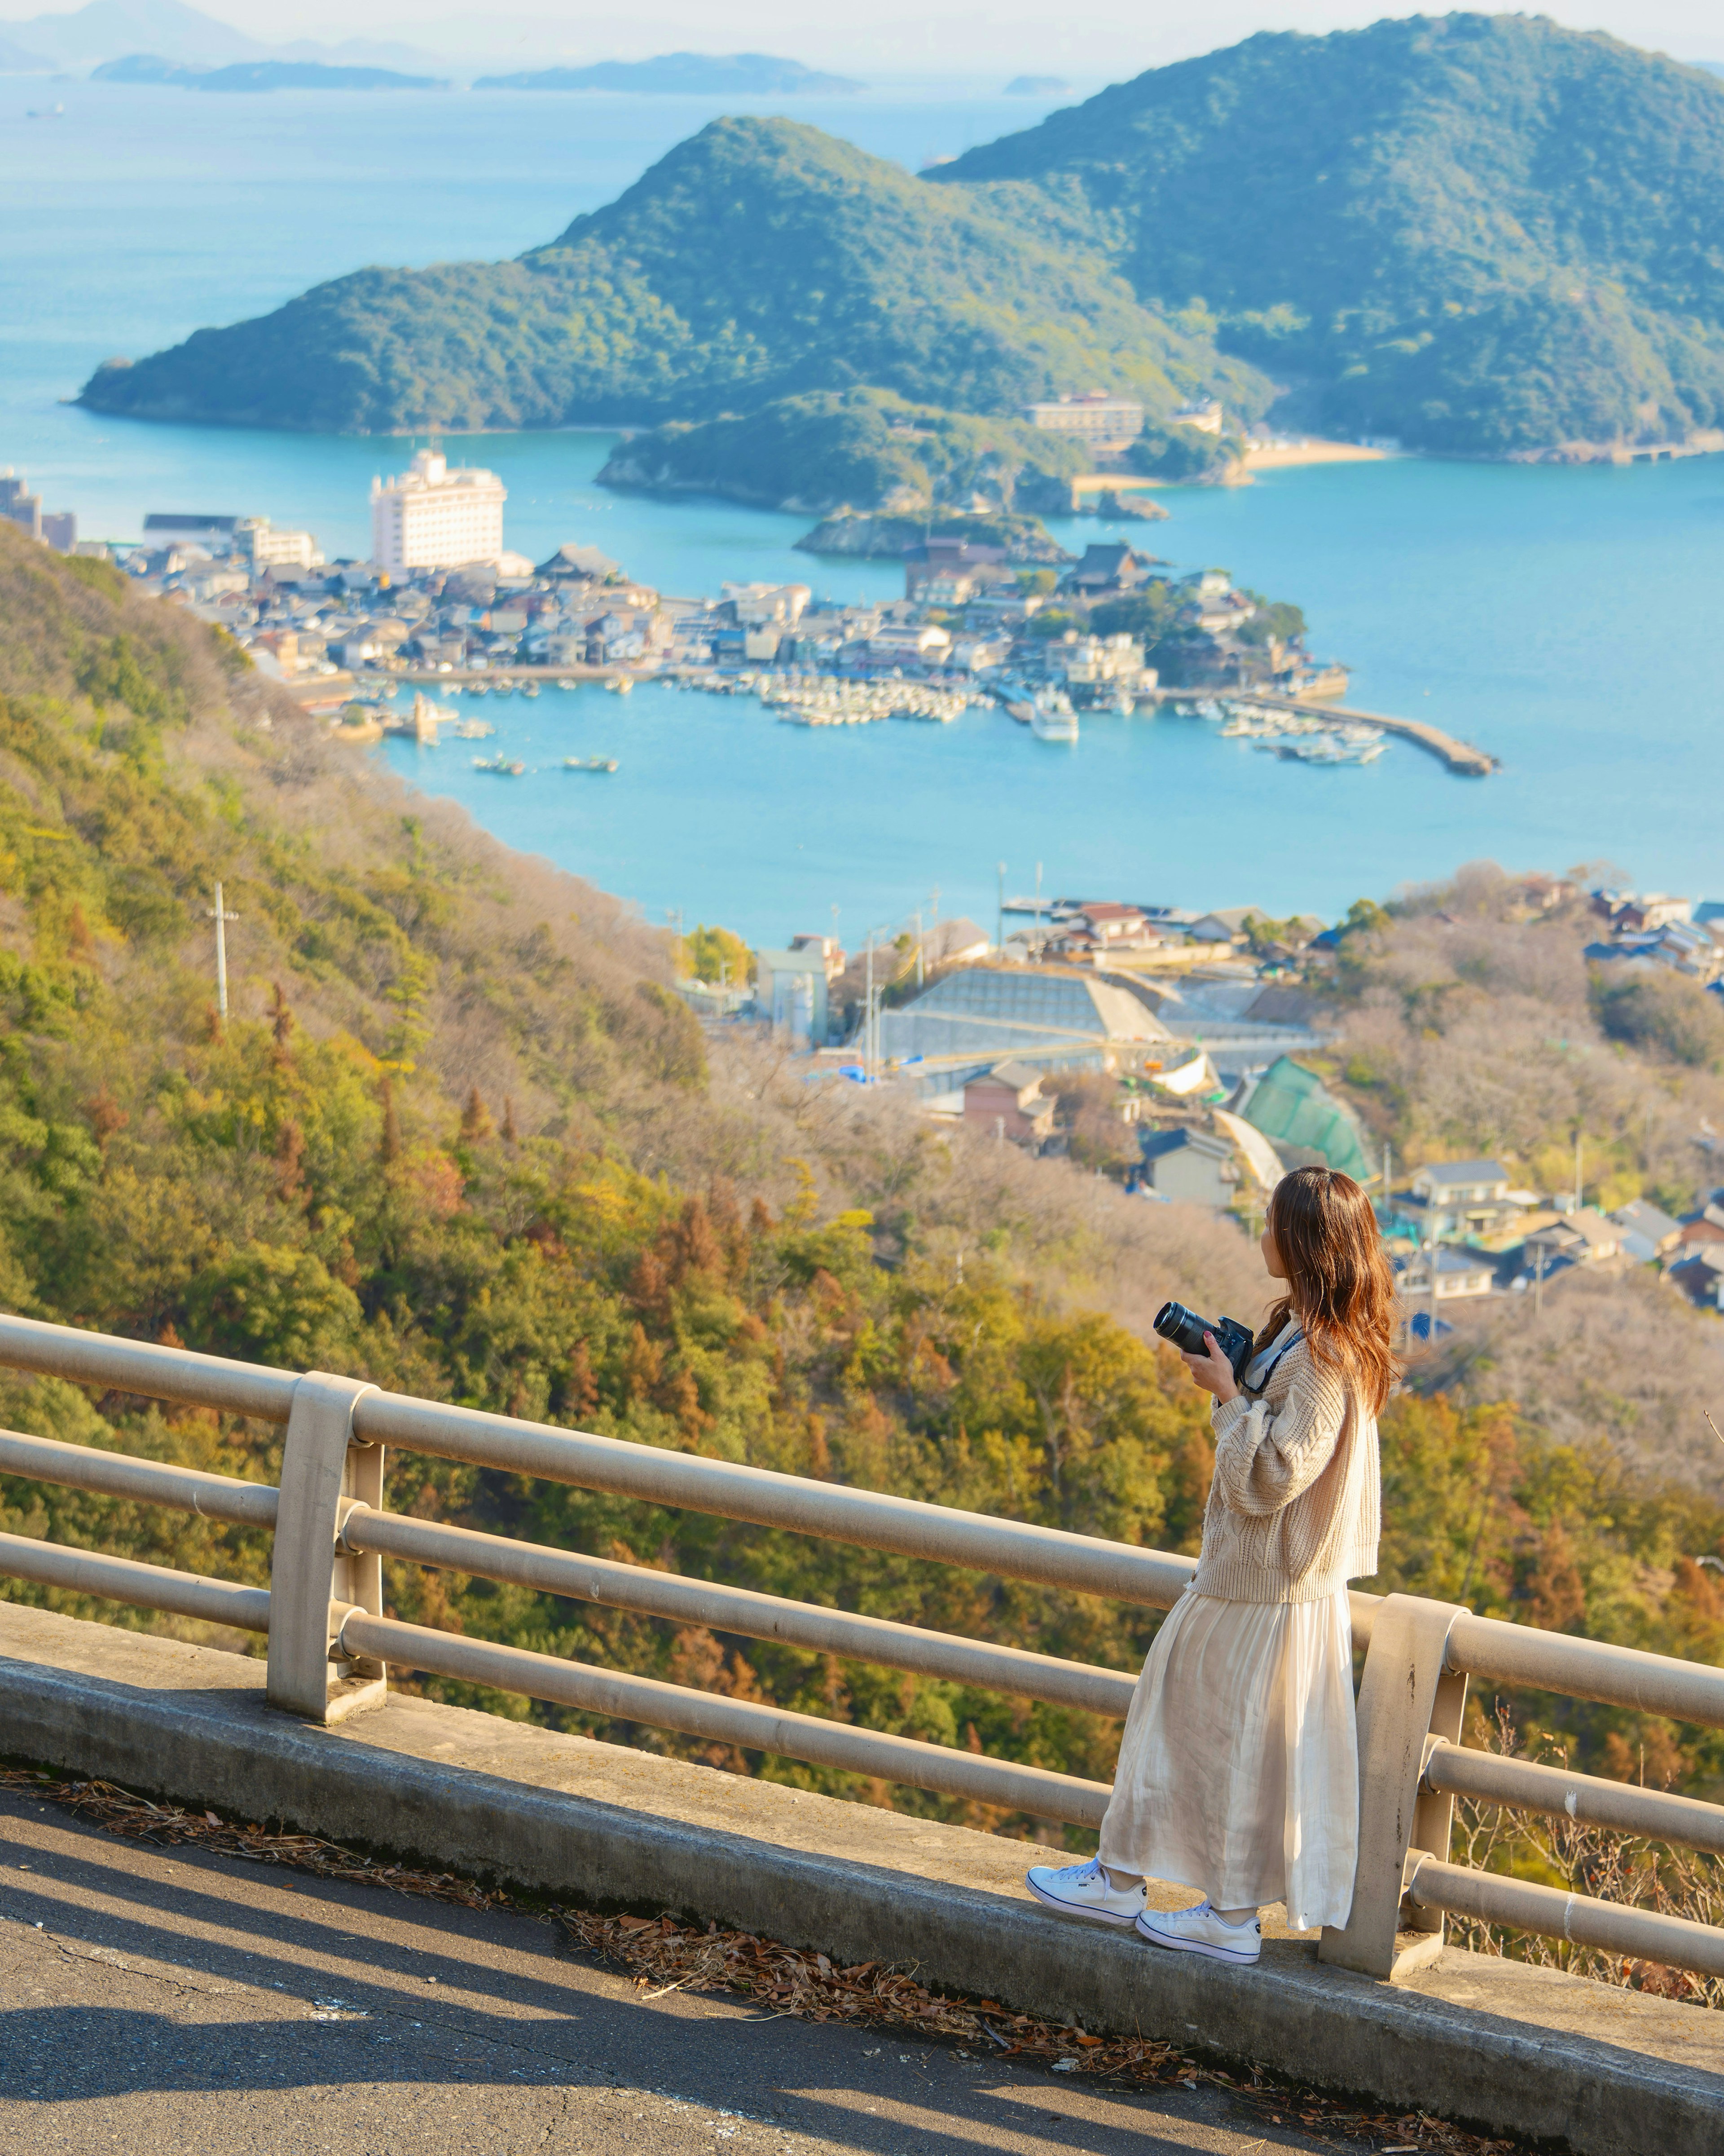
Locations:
(441, 603)
(1191, 1058)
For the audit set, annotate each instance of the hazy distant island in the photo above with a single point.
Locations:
(1036, 86)
(1390, 232)
(694, 75)
(258, 76)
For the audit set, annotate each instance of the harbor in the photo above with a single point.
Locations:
(1460, 757)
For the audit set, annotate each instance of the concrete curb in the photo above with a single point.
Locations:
(1495, 2045)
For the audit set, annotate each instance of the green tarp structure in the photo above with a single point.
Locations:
(1291, 1107)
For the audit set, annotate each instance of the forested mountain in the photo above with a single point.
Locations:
(1484, 233)
(759, 259)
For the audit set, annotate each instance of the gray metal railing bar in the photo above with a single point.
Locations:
(903, 1759)
(1586, 1668)
(148, 1481)
(140, 1367)
(1590, 1799)
(613, 1585)
(147, 1586)
(834, 1511)
(1639, 1934)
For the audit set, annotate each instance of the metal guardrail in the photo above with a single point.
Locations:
(330, 1642)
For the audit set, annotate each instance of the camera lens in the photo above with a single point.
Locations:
(1182, 1327)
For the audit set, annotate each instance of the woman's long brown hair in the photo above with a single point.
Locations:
(1340, 1287)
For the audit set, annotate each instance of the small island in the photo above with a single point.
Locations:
(685, 75)
(149, 67)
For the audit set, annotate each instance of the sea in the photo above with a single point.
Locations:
(1561, 618)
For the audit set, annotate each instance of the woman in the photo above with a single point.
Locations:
(1238, 1773)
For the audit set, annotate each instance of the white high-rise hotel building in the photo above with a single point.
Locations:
(433, 518)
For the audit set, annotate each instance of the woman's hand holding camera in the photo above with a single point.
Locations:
(1212, 1371)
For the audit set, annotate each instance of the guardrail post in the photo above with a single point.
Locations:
(1408, 1695)
(322, 1463)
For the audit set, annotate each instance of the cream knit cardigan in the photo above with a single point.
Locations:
(1295, 1506)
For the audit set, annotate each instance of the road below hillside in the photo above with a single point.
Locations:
(166, 2002)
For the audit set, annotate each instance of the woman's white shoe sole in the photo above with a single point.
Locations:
(1194, 1946)
(1077, 1909)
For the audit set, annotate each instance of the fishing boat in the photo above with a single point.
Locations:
(529, 688)
(504, 766)
(565, 683)
(502, 688)
(619, 684)
(589, 763)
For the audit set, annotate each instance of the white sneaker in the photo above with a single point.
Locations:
(1200, 1931)
(1085, 1889)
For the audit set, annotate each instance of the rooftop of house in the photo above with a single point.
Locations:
(1021, 1077)
(1645, 1218)
(1448, 1173)
(1184, 1139)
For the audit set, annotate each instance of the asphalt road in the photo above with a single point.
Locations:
(169, 2002)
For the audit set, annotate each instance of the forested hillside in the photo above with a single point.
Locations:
(759, 259)
(1481, 234)
(458, 1135)
(866, 448)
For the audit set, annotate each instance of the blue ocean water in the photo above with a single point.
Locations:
(1561, 618)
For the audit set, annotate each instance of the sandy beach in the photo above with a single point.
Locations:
(1276, 455)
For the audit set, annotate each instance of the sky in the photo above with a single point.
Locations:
(1088, 41)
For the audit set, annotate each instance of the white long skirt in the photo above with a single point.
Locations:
(1238, 1770)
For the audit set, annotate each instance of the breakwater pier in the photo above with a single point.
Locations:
(1460, 757)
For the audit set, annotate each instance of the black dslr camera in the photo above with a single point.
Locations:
(1186, 1330)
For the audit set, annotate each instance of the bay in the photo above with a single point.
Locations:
(1561, 618)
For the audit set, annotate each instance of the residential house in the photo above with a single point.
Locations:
(1458, 1274)
(1008, 1101)
(908, 643)
(1098, 661)
(753, 606)
(1643, 1223)
(1226, 925)
(1464, 1197)
(975, 654)
(1101, 930)
(1582, 1238)
(1191, 1167)
(1108, 570)
(1700, 1275)
(829, 948)
(959, 942)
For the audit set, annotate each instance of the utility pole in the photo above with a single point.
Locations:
(999, 918)
(868, 1016)
(221, 917)
(918, 947)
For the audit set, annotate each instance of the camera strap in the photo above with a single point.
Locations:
(1286, 1348)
